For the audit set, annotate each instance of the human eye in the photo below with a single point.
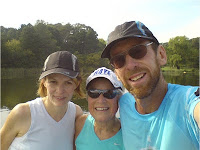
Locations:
(52, 81)
(69, 82)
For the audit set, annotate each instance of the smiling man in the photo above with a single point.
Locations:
(154, 114)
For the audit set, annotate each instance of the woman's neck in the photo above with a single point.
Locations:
(57, 113)
(105, 130)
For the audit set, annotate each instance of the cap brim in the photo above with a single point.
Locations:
(106, 51)
(100, 76)
(66, 72)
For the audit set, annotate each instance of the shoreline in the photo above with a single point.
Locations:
(4, 113)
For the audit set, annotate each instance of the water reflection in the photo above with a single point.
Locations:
(182, 78)
(14, 91)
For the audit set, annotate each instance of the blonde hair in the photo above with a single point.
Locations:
(42, 91)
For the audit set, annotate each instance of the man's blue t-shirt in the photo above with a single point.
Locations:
(171, 127)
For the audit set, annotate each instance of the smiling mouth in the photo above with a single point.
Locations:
(60, 98)
(137, 77)
(101, 108)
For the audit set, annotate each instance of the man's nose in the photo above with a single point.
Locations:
(130, 62)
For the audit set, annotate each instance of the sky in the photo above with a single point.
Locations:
(165, 18)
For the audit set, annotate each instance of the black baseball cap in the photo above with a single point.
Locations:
(62, 62)
(132, 29)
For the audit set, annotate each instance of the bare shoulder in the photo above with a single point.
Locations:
(19, 118)
(21, 112)
(16, 125)
(79, 111)
(80, 121)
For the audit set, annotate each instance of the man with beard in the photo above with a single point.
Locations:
(154, 114)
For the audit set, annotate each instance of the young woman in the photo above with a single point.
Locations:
(48, 121)
(100, 130)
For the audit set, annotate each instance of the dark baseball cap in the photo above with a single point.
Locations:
(62, 62)
(132, 29)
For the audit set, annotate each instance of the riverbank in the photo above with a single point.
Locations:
(181, 70)
(17, 73)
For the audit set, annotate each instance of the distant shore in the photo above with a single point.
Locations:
(182, 70)
(14, 73)
(4, 113)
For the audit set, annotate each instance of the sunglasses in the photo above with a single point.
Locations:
(136, 52)
(109, 94)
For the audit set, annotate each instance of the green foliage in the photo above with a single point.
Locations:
(174, 60)
(182, 52)
(89, 62)
(29, 46)
(16, 56)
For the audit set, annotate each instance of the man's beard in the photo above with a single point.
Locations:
(146, 89)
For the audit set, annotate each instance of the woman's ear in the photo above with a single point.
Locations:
(117, 75)
(44, 82)
(78, 83)
(161, 55)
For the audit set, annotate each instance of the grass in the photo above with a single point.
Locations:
(184, 70)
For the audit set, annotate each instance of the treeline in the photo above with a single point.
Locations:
(183, 52)
(28, 46)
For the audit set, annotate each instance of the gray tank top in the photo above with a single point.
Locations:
(45, 133)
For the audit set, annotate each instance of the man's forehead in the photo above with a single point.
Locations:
(125, 44)
(132, 41)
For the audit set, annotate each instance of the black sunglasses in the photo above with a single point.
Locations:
(136, 52)
(109, 94)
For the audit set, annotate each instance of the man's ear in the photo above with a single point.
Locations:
(161, 55)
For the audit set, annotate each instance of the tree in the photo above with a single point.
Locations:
(82, 38)
(17, 56)
(175, 60)
(101, 44)
(181, 47)
(193, 57)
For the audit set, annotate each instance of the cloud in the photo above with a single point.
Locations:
(190, 29)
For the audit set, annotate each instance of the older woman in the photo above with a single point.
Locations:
(100, 130)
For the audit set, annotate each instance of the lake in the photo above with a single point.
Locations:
(14, 91)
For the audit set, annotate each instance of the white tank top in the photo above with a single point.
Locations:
(45, 133)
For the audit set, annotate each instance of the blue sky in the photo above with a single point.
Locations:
(165, 18)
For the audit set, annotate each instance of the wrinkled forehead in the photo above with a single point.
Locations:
(100, 80)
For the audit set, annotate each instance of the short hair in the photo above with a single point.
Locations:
(155, 46)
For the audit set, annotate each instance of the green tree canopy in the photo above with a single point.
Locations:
(182, 52)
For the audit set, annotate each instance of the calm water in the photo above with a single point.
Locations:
(14, 91)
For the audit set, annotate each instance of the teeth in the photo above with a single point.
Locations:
(136, 78)
(60, 97)
(101, 109)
